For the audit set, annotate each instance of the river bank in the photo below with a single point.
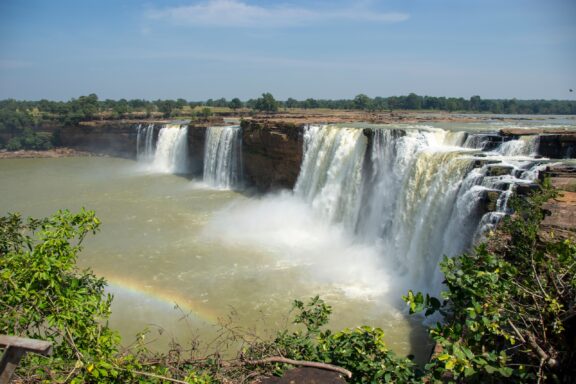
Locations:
(50, 153)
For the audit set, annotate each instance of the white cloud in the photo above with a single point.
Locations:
(236, 13)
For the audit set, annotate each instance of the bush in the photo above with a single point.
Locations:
(45, 296)
(362, 350)
(14, 144)
(506, 308)
(30, 140)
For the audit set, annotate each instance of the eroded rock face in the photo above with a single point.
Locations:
(558, 146)
(110, 138)
(561, 218)
(196, 147)
(555, 144)
(272, 154)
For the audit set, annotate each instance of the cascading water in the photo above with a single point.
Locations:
(331, 173)
(525, 146)
(414, 192)
(171, 154)
(145, 143)
(223, 157)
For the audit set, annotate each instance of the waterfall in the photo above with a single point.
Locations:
(223, 157)
(171, 154)
(476, 141)
(525, 146)
(417, 193)
(145, 143)
(331, 174)
(409, 204)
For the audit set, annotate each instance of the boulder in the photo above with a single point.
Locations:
(499, 170)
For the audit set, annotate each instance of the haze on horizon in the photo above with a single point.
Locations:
(201, 49)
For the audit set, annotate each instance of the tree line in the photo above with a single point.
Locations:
(19, 117)
(90, 107)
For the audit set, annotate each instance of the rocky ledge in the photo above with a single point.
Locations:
(552, 143)
(561, 211)
(271, 153)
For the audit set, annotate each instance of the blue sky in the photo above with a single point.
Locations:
(200, 49)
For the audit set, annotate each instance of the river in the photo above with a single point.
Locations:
(178, 264)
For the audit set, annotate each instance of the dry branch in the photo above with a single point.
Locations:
(153, 376)
(312, 364)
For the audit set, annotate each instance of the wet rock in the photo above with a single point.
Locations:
(196, 145)
(479, 163)
(489, 201)
(526, 189)
(558, 146)
(499, 170)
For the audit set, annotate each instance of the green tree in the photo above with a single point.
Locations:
(266, 103)
(45, 296)
(166, 107)
(362, 102)
(88, 106)
(291, 103)
(235, 104)
(310, 103)
(413, 101)
(475, 103)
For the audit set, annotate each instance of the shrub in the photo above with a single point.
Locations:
(361, 350)
(506, 308)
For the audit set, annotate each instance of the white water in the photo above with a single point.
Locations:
(145, 143)
(374, 221)
(403, 205)
(171, 154)
(525, 146)
(331, 173)
(394, 207)
(223, 157)
(412, 197)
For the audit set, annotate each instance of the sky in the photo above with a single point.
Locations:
(326, 49)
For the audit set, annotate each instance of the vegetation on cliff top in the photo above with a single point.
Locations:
(19, 119)
(508, 314)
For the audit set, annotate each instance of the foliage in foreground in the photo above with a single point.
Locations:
(362, 350)
(507, 315)
(507, 309)
(45, 296)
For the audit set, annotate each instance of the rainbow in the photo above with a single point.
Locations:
(195, 307)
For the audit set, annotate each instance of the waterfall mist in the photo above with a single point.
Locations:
(374, 211)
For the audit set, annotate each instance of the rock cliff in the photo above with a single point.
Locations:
(110, 138)
(272, 154)
(196, 141)
(555, 144)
